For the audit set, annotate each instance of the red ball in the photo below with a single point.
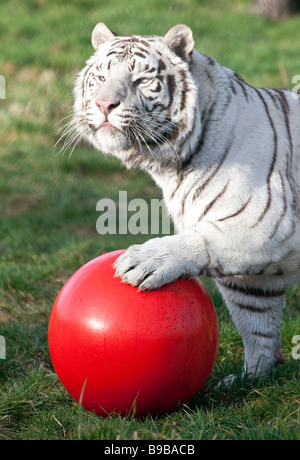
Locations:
(118, 350)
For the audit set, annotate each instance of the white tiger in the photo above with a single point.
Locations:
(227, 158)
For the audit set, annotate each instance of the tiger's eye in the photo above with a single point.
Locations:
(144, 81)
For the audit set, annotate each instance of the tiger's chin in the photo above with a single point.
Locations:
(110, 140)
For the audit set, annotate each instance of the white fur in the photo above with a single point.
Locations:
(235, 203)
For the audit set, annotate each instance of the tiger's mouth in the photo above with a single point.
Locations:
(109, 126)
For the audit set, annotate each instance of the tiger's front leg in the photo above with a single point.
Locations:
(157, 262)
(193, 252)
(257, 314)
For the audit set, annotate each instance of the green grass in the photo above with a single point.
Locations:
(48, 215)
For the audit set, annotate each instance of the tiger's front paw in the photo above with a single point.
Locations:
(150, 265)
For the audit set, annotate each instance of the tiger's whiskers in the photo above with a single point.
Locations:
(72, 133)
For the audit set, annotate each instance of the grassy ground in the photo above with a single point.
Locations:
(48, 214)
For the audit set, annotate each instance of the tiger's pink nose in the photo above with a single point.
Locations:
(106, 106)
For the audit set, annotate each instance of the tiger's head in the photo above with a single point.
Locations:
(136, 96)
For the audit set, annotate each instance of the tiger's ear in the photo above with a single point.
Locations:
(101, 34)
(180, 40)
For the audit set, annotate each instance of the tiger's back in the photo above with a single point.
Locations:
(244, 171)
(226, 156)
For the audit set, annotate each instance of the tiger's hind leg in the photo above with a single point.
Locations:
(257, 314)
